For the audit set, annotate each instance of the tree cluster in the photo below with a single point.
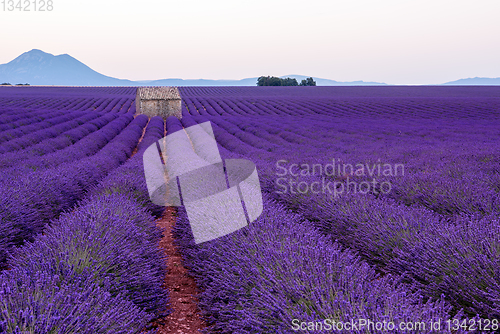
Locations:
(308, 82)
(9, 84)
(275, 81)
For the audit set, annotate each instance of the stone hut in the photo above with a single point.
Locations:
(158, 101)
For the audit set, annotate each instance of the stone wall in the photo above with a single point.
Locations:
(158, 101)
(163, 108)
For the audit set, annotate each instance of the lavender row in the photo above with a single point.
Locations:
(30, 103)
(393, 102)
(11, 129)
(60, 142)
(122, 262)
(10, 115)
(250, 315)
(388, 234)
(457, 259)
(104, 259)
(51, 129)
(232, 143)
(77, 92)
(309, 107)
(129, 178)
(247, 137)
(85, 147)
(382, 230)
(276, 130)
(64, 103)
(259, 279)
(117, 264)
(31, 201)
(448, 183)
(108, 99)
(218, 313)
(449, 195)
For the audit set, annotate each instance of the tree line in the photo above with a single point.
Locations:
(275, 81)
(9, 84)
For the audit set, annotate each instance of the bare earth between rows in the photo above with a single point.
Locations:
(185, 317)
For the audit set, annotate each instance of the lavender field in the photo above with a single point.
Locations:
(380, 204)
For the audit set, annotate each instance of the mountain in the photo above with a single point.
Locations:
(40, 68)
(475, 82)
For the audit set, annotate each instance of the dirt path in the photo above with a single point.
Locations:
(185, 318)
(140, 139)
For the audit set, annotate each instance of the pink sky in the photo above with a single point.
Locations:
(396, 41)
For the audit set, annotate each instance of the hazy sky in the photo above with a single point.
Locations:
(392, 41)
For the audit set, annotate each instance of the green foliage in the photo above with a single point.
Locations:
(275, 81)
(308, 82)
(289, 82)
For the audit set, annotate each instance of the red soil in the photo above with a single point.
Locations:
(185, 318)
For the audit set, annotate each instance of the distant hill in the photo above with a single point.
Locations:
(198, 82)
(41, 68)
(475, 82)
(250, 82)
(328, 82)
